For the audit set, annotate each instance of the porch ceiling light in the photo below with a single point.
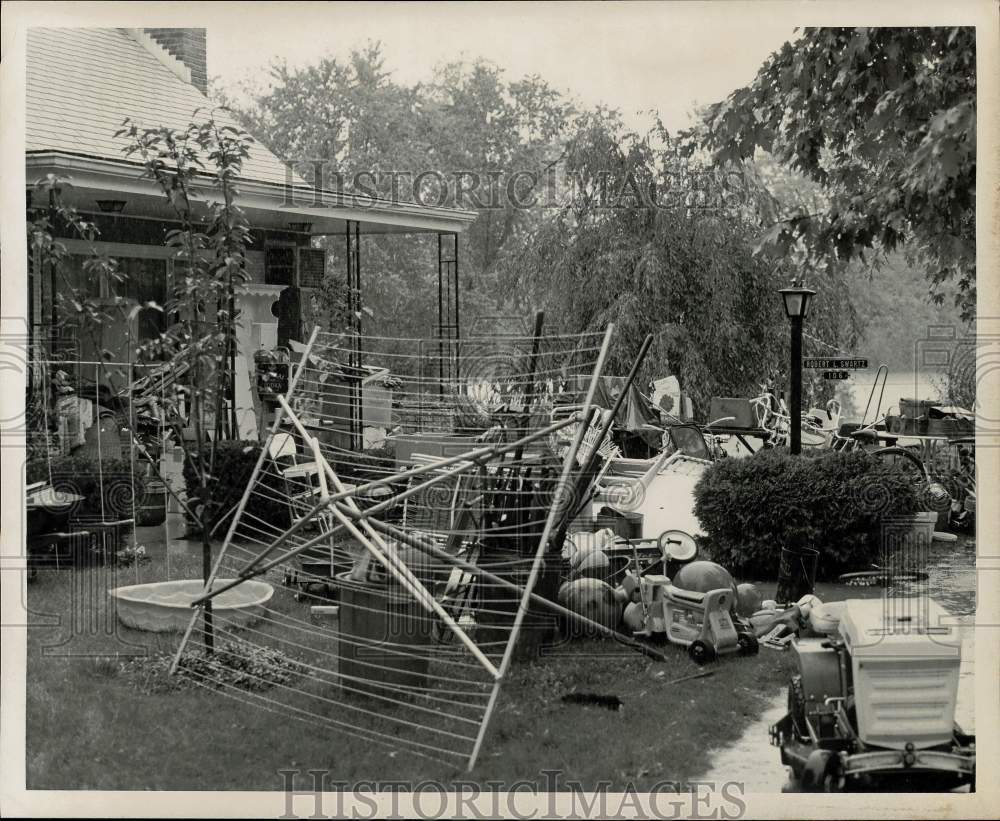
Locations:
(111, 206)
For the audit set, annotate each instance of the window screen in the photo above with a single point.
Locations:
(279, 266)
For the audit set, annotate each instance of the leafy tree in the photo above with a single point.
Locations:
(618, 251)
(480, 123)
(330, 121)
(595, 251)
(209, 256)
(884, 120)
(468, 123)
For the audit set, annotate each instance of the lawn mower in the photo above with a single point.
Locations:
(872, 706)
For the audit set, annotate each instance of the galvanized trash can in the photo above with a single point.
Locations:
(383, 639)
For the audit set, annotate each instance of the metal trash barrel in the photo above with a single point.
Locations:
(383, 639)
(796, 573)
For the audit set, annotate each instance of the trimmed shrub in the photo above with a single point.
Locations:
(234, 464)
(87, 477)
(832, 502)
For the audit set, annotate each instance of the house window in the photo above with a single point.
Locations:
(279, 265)
(143, 280)
(73, 278)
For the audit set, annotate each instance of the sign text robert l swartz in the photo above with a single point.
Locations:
(835, 364)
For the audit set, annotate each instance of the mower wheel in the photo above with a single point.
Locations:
(749, 646)
(822, 772)
(701, 652)
(833, 776)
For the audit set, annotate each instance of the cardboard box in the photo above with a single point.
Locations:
(915, 408)
(737, 407)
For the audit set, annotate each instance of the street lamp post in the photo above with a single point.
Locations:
(796, 299)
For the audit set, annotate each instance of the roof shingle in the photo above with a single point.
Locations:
(82, 83)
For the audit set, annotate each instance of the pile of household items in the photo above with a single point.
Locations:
(76, 517)
(445, 515)
(456, 513)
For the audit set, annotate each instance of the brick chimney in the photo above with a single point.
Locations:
(188, 46)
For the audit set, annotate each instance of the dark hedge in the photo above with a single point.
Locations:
(830, 501)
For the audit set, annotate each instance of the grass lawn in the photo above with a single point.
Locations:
(92, 726)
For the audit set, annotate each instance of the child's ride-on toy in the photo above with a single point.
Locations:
(873, 706)
(702, 622)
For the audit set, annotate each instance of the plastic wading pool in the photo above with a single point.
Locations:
(166, 606)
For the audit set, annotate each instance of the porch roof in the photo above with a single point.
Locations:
(82, 84)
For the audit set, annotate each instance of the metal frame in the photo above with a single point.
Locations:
(449, 325)
(352, 239)
(243, 501)
(370, 533)
(373, 542)
(556, 512)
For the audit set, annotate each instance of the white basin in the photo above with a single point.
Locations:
(166, 606)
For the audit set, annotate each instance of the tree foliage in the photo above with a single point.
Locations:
(209, 254)
(622, 229)
(619, 250)
(884, 120)
(351, 117)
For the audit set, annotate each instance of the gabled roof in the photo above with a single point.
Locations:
(82, 83)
